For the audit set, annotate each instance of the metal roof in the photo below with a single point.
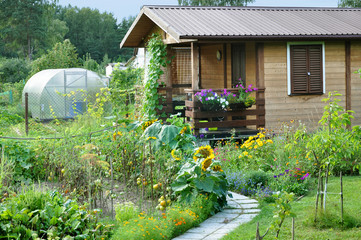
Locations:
(219, 23)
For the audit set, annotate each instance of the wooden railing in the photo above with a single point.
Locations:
(254, 116)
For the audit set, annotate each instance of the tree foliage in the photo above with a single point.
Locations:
(63, 55)
(92, 32)
(350, 3)
(27, 25)
(214, 2)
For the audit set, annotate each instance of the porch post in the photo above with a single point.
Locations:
(260, 82)
(195, 65)
(169, 83)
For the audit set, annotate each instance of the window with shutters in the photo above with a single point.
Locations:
(305, 69)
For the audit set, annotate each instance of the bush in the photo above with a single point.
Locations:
(14, 70)
(125, 211)
(34, 215)
(63, 55)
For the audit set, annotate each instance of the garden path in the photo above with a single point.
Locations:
(240, 210)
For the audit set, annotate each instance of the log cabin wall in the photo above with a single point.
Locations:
(305, 108)
(356, 82)
(212, 70)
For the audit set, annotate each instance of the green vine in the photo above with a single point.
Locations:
(158, 60)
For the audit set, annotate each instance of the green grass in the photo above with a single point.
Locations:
(328, 228)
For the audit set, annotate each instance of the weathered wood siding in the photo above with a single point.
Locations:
(356, 82)
(308, 109)
(212, 70)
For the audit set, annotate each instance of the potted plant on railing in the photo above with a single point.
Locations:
(211, 101)
(242, 100)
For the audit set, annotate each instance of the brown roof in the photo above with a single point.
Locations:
(245, 23)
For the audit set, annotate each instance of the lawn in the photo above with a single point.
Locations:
(304, 209)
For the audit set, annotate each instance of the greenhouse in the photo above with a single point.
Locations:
(49, 90)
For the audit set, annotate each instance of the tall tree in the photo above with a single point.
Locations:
(350, 3)
(214, 2)
(123, 27)
(23, 23)
(92, 32)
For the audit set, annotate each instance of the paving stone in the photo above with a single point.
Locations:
(240, 210)
(233, 211)
(188, 236)
(247, 206)
(223, 230)
(226, 215)
(251, 210)
(214, 236)
(246, 201)
(204, 229)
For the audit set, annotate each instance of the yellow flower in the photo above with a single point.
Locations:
(151, 138)
(217, 168)
(183, 130)
(206, 163)
(245, 153)
(269, 141)
(203, 152)
(173, 153)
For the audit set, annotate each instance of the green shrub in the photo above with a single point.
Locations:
(14, 70)
(33, 215)
(125, 211)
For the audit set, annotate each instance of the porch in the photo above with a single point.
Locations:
(204, 65)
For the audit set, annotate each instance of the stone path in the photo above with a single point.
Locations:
(240, 210)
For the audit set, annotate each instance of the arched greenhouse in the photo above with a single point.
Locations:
(47, 92)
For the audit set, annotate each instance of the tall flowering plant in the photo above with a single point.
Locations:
(211, 100)
(244, 93)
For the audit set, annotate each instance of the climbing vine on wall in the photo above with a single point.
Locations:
(158, 59)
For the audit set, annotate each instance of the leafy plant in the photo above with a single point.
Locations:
(158, 60)
(35, 215)
(202, 175)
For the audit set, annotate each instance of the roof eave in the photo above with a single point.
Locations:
(270, 37)
(156, 20)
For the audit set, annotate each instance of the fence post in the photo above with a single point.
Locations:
(11, 96)
(26, 114)
(341, 198)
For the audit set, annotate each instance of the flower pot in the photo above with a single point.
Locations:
(211, 108)
(237, 106)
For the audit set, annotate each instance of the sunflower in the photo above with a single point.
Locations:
(206, 163)
(203, 152)
(217, 168)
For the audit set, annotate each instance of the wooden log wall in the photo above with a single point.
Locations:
(305, 108)
(356, 82)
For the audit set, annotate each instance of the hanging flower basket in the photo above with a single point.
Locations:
(237, 106)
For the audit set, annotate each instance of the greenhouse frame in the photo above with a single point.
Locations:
(49, 90)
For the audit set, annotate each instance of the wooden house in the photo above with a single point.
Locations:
(294, 56)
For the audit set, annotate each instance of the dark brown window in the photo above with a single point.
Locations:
(306, 69)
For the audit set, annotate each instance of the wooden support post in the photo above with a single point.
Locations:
(111, 186)
(26, 114)
(225, 64)
(293, 228)
(260, 78)
(325, 191)
(321, 192)
(318, 193)
(169, 83)
(341, 198)
(195, 65)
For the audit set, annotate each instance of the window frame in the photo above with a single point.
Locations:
(289, 44)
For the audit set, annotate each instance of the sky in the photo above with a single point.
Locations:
(126, 8)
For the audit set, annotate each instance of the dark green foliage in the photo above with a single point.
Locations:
(214, 2)
(23, 157)
(92, 32)
(14, 70)
(63, 55)
(258, 178)
(126, 79)
(123, 27)
(350, 3)
(25, 25)
(39, 215)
